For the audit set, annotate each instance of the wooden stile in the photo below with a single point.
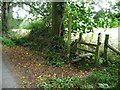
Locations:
(90, 53)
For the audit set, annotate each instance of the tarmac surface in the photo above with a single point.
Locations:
(8, 78)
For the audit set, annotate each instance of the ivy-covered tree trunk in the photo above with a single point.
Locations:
(4, 16)
(57, 18)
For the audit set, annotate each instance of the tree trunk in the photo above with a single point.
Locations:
(57, 18)
(4, 16)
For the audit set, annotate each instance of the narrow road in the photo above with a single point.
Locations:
(0, 66)
(8, 78)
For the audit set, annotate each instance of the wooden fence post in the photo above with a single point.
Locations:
(105, 47)
(80, 37)
(78, 42)
(97, 49)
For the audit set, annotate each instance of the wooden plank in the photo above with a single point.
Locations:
(85, 55)
(80, 37)
(88, 44)
(86, 50)
(75, 60)
(106, 47)
(114, 49)
(78, 41)
(97, 49)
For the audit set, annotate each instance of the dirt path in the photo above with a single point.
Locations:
(30, 67)
(8, 78)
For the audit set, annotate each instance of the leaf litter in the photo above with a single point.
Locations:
(30, 68)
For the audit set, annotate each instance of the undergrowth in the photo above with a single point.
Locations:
(56, 52)
(106, 78)
(63, 83)
(6, 41)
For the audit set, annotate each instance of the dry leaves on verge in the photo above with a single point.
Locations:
(30, 68)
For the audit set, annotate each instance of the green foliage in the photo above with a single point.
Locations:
(108, 18)
(24, 24)
(39, 35)
(54, 48)
(36, 25)
(13, 35)
(82, 20)
(39, 39)
(56, 51)
(105, 18)
(22, 41)
(106, 77)
(103, 85)
(64, 83)
(55, 62)
(6, 41)
(14, 23)
(40, 8)
(40, 26)
(41, 12)
(112, 60)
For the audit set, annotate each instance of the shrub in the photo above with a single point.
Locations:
(6, 41)
(56, 51)
(36, 25)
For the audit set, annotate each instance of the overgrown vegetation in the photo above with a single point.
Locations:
(7, 42)
(63, 83)
(105, 77)
(54, 48)
(56, 51)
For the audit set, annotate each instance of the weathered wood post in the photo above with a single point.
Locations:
(80, 37)
(78, 42)
(106, 47)
(97, 49)
(69, 36)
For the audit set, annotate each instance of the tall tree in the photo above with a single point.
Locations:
(4, 17)
(57, 18)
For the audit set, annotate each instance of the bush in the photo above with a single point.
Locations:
(54, 48)
(39, 35)
(6, 41)
(36, 25)
(56, 51)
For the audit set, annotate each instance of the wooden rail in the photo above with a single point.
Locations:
(96, 53)
(85, 43)
(90, 53)
(86, 50)
(84, 55)
(106, 46)
(114, 49)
